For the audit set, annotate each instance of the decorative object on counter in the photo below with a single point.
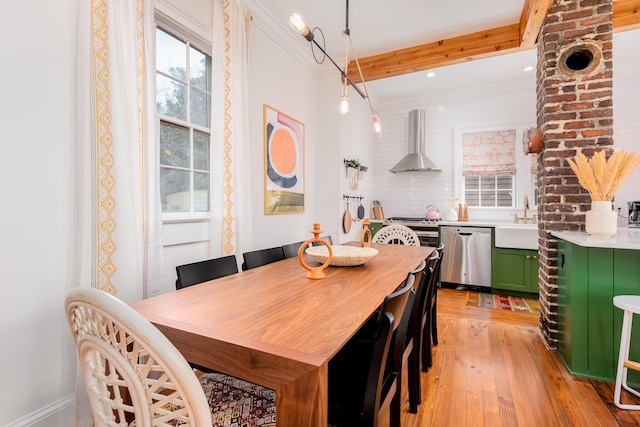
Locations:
(463, 212)
(343, 256)
(532, 141)
(432, 213)
(365, 231)
(452, 214)
(316, 272)
(602, 179)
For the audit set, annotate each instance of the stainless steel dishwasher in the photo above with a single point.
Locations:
(467, 258)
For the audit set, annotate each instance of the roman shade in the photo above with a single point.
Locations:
(489, 153)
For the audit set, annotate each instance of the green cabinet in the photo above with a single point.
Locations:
(514, 270)
(374, 227)
(589, 325)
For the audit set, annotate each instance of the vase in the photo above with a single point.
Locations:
(601, 220)
(452, 215)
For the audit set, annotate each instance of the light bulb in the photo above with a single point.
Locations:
(377, 127)
(298, 23)
(344, 104)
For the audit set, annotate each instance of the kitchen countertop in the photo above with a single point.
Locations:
(625, 238)
(480, 223)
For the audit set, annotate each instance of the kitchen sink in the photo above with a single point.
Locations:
(517, 236)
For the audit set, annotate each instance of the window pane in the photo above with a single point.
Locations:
(174, 190)
(471, 182)
(171, 55)
(504, 182)
(200, 112)
(200, 150)
(487, 198)
(199, 66)
(171, 97)
(201, 192)
(505, 199)
(471, 198)
(174, 145)
(487, 182)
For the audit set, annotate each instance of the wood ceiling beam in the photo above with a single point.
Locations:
(455, 50)
(533, 14)
(626, 15)
(483, 44)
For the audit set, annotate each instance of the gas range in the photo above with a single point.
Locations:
(425, 229)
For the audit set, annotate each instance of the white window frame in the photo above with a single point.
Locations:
(522, 180)
(180, 25)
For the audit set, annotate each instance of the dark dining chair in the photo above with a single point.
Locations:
(327, 238)
(260, 257)
(365, 375)
(434, 302)
(413, 347)
(430, 313)
(291, 250)
(203, 271)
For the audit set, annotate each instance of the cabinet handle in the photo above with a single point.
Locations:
(528, 256)
(535, 257)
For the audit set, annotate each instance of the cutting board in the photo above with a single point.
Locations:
(378, 213)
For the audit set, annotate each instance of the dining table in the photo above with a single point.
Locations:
(275, 327)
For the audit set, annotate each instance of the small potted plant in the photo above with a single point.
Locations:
(352, 166)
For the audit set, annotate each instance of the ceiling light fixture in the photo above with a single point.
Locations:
(529, 68)
(298, 23)
(431, 74)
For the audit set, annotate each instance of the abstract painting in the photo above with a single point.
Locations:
(283, 163)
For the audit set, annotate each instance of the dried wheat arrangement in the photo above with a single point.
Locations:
(601, 177)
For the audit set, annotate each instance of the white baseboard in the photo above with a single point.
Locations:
(45, 412)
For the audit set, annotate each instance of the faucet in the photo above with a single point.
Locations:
(524, 219)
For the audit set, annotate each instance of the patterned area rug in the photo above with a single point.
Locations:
(251, 405)
(502, 302)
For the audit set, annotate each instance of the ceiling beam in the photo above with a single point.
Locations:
(444, 52)
(483, 44)
(626, 15)
(533, 14)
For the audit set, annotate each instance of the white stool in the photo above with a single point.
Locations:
(630, 304)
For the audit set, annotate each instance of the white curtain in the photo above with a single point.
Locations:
(119, 248)
(231, 228)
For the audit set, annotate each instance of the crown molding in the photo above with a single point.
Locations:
(286, 38)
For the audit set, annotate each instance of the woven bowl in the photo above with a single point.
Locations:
(343, 256)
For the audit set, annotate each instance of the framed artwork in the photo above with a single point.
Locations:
(283, 163)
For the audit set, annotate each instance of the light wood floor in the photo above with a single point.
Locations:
(491, 368)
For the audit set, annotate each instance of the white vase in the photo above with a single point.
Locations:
(452, 215)
(601, 220)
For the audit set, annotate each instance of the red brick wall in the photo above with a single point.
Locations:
(575, 113)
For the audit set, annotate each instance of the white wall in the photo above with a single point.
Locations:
(37, 117)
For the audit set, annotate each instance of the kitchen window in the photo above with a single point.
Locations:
(488, 168)
(183, 102)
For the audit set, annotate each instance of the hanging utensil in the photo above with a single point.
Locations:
(360, 210)
(346, 219)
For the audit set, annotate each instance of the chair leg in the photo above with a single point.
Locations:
(427, 358)
(394, 410)
(621, 374)
(413, 378)
(434, 324)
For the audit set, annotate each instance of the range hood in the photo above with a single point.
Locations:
(416, 160)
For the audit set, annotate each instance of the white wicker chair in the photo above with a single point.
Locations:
(135, 376)
(396, 234)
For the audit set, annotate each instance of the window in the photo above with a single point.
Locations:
(183, 102)
(488, 167)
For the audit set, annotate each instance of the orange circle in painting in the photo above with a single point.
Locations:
(283, 152)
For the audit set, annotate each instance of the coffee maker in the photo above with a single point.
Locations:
(634, 214)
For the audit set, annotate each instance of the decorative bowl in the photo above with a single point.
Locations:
(343, 256)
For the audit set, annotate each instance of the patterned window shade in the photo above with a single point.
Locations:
(489, 153)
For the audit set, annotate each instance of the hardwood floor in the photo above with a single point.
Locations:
(491, 368)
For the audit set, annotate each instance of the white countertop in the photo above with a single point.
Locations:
(625, 238)
(479, 223)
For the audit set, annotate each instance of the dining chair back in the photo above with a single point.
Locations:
(434, 299)
(429, 315)
(135, 376)
(413, 346)
(327, 238)
(291, 250)
(150, 372)
(364, 378)
(260, 257)
(396, 234)
(203, 271)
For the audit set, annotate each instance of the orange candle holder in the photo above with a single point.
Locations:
(365, 231)
(315, 272)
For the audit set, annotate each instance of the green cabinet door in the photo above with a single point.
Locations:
(374, 227)
(515, 270)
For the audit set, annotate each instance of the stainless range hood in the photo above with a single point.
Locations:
(416, 160)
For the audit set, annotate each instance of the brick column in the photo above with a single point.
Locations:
(575, 114)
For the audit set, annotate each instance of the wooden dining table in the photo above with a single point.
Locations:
(274, 327)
